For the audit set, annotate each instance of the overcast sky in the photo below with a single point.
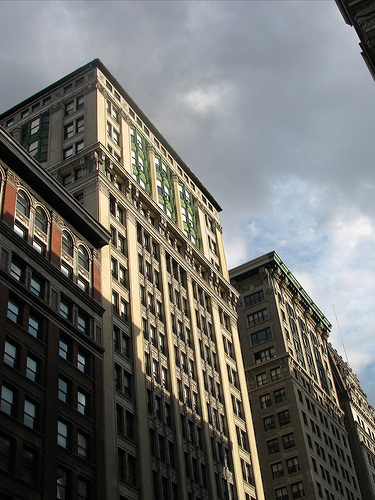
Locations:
(268, 102)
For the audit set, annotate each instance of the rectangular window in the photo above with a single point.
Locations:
(82, 403)
(32, 369)
(10, 354)
(269, 423)
(17, 271)
(264, 355)
(282, 493)
(62, 434)
(83, 489)
(68, 130)
(261, 379)
(297, 490)
(292, 465)
(280, 395)
(275, 373)
(7, 400)
(34, 327)
(82, 445)
(63, 349)
(262, 336)
(82, 362)
(65, 309)
(265, 401)
(254, 298)
(257, 317)
(6, 453)
(288, 441)
(273, 446)
(61, 484)
(29, 414)
(63, 392)
(82, 323)
(277, 470)
(36, 286)
(13, 311)
(284, 418)
(28, 465)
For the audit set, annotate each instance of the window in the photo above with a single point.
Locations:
(65, 309)
(67, 153)
(288, 441)
(29, 414)
(281, 493)
(10, 354)
(269, 423)
(34, 327)
(261, 379)
(82, 363)
(80, 101)
(297, 490)
(32, 369)
(39, 246)
(82, 322)
(62, 434)
(83, 489)
(257, 317)
(262, 336)
(63, 349)
(83, 258)
(254, 298)
(7, 400)
(82, 445)
(61, 485)
(264, 355)
(284, 418)
(23, 204)
(275, 374)
(80, 125)
(63, 391)
(67, 243)
(280, 395)
(17, 270)
(68, 130)
(277, 470)
(6, 453)
(292, 465)
(28, 465)
(20, 230)
(41, 219)
(81, 403)
(13, 311)
(265, 401)
(273, 446)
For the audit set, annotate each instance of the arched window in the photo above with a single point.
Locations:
(23, 204)
(83, 258)
(67, 243)
(41, 219)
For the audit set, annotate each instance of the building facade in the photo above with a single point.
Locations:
(177, 415)
(359, 422)
(361, 15)
(303, 445)
(51, 349)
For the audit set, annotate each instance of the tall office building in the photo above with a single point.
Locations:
(177, 415)
(359, 422)
(51, 353)
(302, 442)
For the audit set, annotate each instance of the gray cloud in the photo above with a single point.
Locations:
(268, 102)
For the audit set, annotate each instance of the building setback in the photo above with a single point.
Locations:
(51, 352)
(359, 422)
(177, 415)
(303, 445)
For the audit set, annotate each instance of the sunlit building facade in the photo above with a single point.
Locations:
(303, 445)
(359, 422)
(177, 415)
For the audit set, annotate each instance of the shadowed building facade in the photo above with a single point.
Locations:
(302, 442)
(177, 415)
(51, 341)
